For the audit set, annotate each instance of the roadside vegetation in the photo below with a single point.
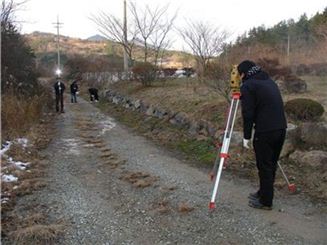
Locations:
(26, 128)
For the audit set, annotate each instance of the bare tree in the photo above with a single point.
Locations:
(8, 9)
(159, 40)
(113, 28)
(217, 78)
(153, 27)
(149, 26)
(205, 41)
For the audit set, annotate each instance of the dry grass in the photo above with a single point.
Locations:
(114, 163)
(139, 179)
(184, 207)
(100, 145)
(18, 114)
(187, 95)
(27, 186)
(163, 207)
(106, 155)
(105, 150)
(37, 234)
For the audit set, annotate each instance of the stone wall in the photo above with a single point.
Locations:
(200, 130)
(308, 139)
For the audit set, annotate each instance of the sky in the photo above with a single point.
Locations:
(235, 16)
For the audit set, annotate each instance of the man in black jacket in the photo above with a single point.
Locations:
(263, 109)
(73, 91)
(59, 88)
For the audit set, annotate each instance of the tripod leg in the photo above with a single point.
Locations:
(215, 189)
(224, 149)
(291, 187)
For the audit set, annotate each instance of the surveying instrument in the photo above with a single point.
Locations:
(221, 158)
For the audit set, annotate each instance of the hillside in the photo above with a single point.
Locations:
(45, 43)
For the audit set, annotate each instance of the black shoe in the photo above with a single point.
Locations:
(257, 204)
(253, 196)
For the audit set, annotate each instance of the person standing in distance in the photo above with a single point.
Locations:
(59, 88)
(73, 91)
(263, 110)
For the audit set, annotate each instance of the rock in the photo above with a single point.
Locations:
(296, 85)
(149, 111)
(159, 113)
(291, 140)
(115, 100)
(211, 129)
(312, 158)
(180, 119)
(288, 148)
(314, 134)
(203, 132)
(194, 128)
(143, 107)
(137, 104)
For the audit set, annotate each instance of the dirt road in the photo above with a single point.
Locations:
(115, 187)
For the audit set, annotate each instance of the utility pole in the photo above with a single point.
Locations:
(58, 25)
(288, 48)
(125, 40)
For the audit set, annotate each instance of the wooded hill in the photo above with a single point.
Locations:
(300, 44)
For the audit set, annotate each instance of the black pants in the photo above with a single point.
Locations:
(73, 98)
(59, 99)
(267, 147)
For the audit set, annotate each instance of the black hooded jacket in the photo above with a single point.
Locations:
(262, 105)
(59, 87)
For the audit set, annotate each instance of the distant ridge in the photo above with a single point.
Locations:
(97, 38)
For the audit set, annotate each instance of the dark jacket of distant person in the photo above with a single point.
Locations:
(73, 87)
(59, 87)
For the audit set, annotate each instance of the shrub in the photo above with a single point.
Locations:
(217, 77)
(145, 73)
(294, 84)
(304, 109)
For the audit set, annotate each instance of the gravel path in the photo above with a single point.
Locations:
(115, 187)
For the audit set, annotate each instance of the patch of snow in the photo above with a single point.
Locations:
(107, 125)
(22, 165)
(18, 164)
(22, 141)
(5, 147)
(4, 200)
(8, 178)
(72, 146)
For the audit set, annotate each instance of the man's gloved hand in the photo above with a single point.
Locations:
(246, 143)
